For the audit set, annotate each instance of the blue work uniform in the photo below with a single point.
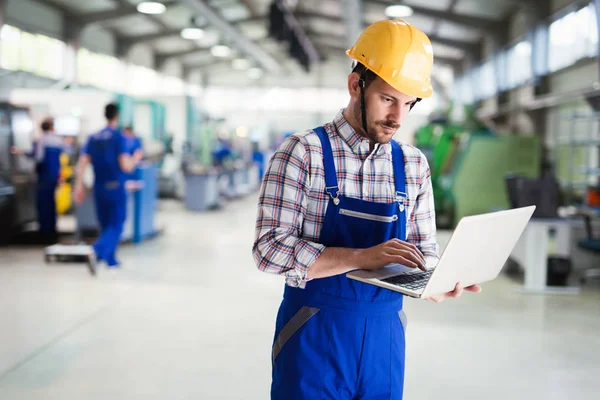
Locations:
(104, 149)
(132, 144)
(46, 153)
(259, 158)
(339, 338)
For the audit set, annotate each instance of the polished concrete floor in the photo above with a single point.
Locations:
(189, 317)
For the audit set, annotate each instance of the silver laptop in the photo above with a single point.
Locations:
(476, 253)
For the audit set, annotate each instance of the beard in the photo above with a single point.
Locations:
(377, 131)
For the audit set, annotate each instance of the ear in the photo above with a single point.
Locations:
(353, 86)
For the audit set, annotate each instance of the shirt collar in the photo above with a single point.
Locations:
(353, 139)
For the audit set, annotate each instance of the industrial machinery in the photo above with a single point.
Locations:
(469, 165)
(17, 173)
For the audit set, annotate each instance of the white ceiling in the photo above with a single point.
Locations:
(450, 30)
(495, 10)
(172, 45)
(135, 25)
(440, 50)
(327, 33)
(87, 6)
(177, 16)
(440, 5)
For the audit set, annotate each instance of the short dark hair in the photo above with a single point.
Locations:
(368, 75)
(47, 125)
(111, 111)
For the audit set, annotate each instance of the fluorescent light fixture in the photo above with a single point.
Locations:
(241, 64)
(151, 7)
(398, 11)
(220, 51)
(242, 131)
(255, 73)
(192, 33)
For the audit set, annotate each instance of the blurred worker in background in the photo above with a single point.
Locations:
(259, 158)
(342, 197)
(133, 145)
(222, 153)
(107, 151)
(46, 152)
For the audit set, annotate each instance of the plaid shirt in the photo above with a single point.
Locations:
(293, 201)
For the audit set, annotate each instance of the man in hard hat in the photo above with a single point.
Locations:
(341, 197)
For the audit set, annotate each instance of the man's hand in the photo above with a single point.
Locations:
(138, 155)
(457, 292)
(79, 194)
(393, 251)
(16, 151)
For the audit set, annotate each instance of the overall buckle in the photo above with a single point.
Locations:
(401, 198)
(334, 193)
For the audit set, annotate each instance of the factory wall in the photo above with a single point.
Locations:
(577, 77)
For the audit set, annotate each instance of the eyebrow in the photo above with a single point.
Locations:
(394, 97)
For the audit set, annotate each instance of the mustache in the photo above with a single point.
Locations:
(390, 124)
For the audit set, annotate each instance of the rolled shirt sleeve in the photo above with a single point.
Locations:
(278, 246)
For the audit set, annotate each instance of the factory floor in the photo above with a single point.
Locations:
(189, 317)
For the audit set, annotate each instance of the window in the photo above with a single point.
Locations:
(100, 70)
(573, 37)
(463, 92)
(540, 40)
(518, 64)
(501, 75)
(487, 80)
(9, 52)
(37, 54)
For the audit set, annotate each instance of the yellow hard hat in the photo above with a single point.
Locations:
(398, 53)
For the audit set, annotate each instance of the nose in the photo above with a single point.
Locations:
(397, 113)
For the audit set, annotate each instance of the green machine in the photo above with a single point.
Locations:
(200, 135)
(127, 106)
(469, 166)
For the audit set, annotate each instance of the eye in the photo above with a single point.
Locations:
(388, 100)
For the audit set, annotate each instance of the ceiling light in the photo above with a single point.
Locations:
(220, 51)
(240, 64)
(192, 33)
(398, 11)
(255, 73)
(151, 7)
(242, 131)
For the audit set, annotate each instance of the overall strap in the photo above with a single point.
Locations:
(399, 174)
(331, 182)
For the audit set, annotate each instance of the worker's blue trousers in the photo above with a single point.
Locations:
(111, 210)
(46, 206)
(339, 338)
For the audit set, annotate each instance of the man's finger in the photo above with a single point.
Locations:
(457, 292)
(405, 246)
(473, 289)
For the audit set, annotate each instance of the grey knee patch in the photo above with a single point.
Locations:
(293, 325)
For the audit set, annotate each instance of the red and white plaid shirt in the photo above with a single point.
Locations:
(293, 201)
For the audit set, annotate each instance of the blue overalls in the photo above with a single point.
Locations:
(47, 153)
(339, 338)
(104, 149)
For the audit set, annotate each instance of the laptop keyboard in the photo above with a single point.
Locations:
(410, 280)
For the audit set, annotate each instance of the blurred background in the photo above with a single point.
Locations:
(212, 88)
